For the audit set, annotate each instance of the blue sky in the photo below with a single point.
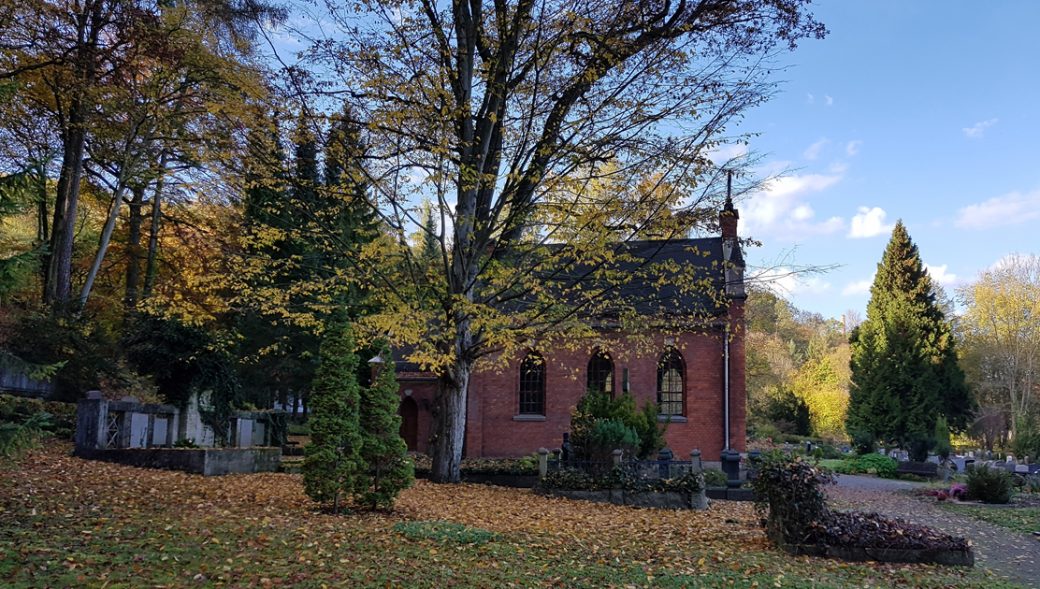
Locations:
(920, 111)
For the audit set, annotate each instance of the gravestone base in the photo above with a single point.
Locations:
(204, 461)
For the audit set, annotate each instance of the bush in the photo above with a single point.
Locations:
(595, 407)
(942, 438)
(16, 438)
(714, 477)
(882, 466)
(989, 485)
(621, 478)
(62, 416)
(864, 442)
(788, 492)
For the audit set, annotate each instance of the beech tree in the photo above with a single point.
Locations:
(1001, 327)
(904, 361)
(547, 135)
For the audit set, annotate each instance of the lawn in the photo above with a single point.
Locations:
(69, 522)
(1025, 520)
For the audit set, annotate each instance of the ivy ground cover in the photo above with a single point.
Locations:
(69, 522)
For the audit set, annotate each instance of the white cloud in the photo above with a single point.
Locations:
(810, 98)
(858, 287)
(813, 151)
(802, 212)
(852, 147)
(940, 275)
(727, 152)
(829, 101)
(868, 222)
(780, 207)
(1010, 209)
(977, 130)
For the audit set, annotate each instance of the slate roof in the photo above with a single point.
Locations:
(665, 277)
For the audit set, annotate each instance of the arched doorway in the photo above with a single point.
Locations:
(409, 413)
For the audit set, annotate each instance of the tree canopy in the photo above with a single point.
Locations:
(904, 361)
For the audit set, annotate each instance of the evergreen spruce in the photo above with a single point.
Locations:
(383, 450)
(904, 365)
(332, 462)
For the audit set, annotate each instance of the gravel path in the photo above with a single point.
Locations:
(874, 483)
(1008, 554)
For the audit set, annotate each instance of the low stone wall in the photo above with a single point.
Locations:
(728, 494)
(670, 500)
(204, 461)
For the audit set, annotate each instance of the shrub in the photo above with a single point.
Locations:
(989, 485)
(387, 471)
(714, 477)
(16, 438)
(621, 478)
(788, 490)
(332, 461)
(864, 442)
(942, 438)
(607, 435)
(596, 406)
(882, 466)
(62, 416)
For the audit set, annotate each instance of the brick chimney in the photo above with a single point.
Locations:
(729, 216)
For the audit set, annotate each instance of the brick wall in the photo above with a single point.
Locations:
(494, 427)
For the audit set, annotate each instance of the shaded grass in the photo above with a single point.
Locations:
(67, 522)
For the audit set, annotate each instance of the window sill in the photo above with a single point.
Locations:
(528, 417)
(671, 419)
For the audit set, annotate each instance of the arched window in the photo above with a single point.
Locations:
(601, 373)
(532, 385)
(670, 387)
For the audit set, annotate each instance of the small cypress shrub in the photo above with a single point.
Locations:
(332, 461)
(383, 451)
(989, 485)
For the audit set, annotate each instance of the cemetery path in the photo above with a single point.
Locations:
(874, 483)
(1007, 554)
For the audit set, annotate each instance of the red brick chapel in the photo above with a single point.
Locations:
(696, 376)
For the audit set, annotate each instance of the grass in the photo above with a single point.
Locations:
(1025, 520)
(66, 522)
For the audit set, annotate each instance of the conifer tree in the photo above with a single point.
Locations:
(904, 364)
(383, 450)
(332, 462)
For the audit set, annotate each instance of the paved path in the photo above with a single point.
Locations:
(1008, 554)
(874, 483)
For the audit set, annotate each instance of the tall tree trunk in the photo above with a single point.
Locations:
(106, 239)
(42, 229)
(450, 407)
(133, 248)
(58, 284)
(150, 268)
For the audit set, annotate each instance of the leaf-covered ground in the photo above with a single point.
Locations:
(66, 522)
